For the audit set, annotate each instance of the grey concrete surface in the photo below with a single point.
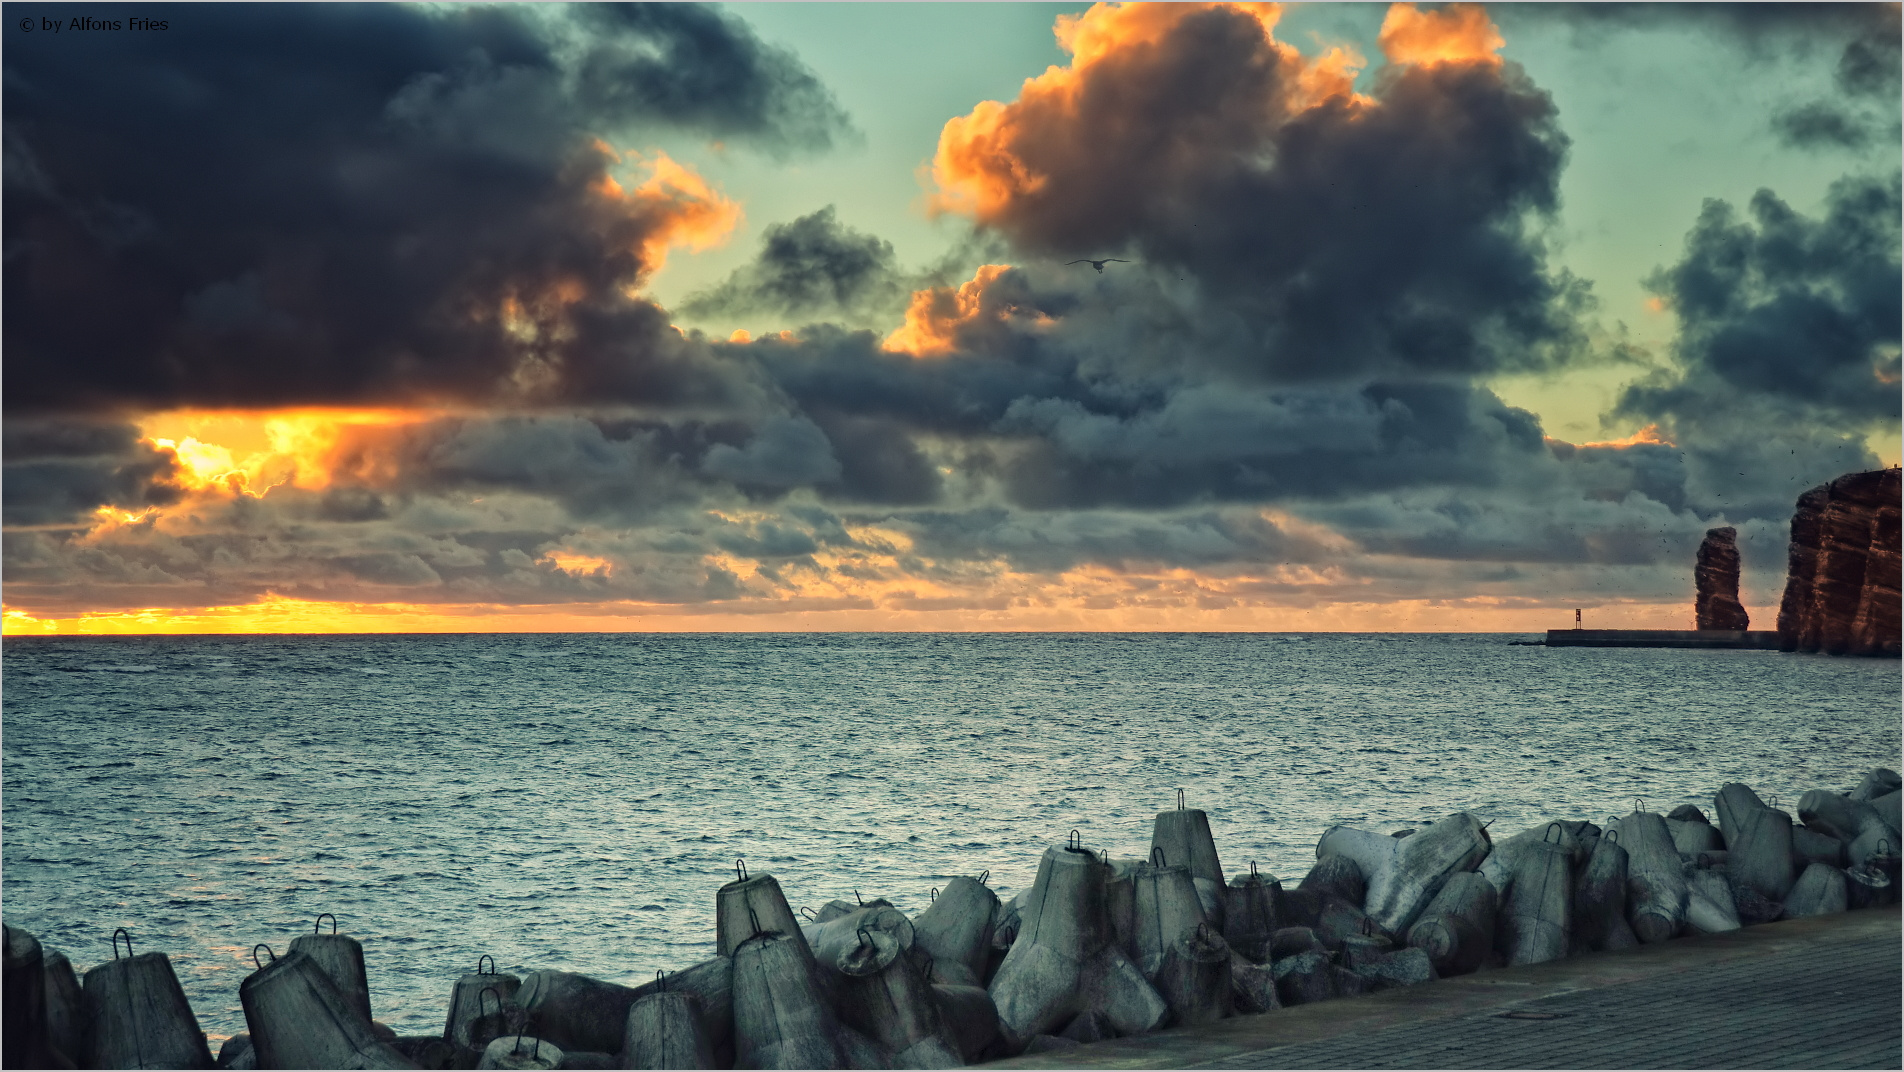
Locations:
(1820, 992)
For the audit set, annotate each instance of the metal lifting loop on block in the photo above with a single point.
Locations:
(115, 942)
(1252, 868)
(807, 911)
(1612, 835)
(1487, 824)
(983, 876)
(1639, 805)
(1104, 857)
(480, 1004)
(865, 939)
(254, 954)
(935, 893)
(661, 980)
(1179, 800)
(1551, 827)
(1884, 849)
(320, 923)
(740, 870)
(479, 965)
(753, 920)
(1157, 857)
(1075, 842)
(857, 900)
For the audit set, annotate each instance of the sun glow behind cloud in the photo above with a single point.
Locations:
(250, 452)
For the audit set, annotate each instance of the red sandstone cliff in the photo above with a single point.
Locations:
(1841, 585)
(1716, 574)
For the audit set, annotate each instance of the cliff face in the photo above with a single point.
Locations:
(1841, 585)
(1717, 576)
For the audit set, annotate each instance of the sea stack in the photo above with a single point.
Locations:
(1841, 590)
(1717, 577)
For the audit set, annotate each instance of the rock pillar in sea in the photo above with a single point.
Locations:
(1841, 590)
(1717, 577)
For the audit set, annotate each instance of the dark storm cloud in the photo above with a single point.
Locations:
(58, 470)
(1822, 124)
(1357, 237)
(1783, 307)
(1765, 29)
(1864, 37)
(813, 265)
(337, 203)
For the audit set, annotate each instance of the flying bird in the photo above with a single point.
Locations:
(1099, 265)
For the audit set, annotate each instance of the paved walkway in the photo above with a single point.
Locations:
(1823, 992)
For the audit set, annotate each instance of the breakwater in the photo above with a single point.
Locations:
(1098, 947)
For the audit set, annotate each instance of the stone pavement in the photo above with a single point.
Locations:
(1824, 992)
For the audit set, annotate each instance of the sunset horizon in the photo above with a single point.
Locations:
(1230, 317)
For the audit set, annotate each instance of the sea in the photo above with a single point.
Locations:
(573, 801)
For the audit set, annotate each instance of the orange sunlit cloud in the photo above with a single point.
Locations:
(691, 213)
(250, 452)
(1453, 33)
(993, 157)
(936, 314)
(1649, 436)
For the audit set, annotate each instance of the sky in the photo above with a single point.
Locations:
(335, 318)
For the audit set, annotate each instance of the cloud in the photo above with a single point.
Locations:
(811, 266)
(1821, 124)
(403, 203)
(1784, 308)
(1395, 233)
(59, 471)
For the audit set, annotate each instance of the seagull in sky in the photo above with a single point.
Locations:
(1099, 265)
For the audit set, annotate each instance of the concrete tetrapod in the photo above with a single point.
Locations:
(1819, 891)
(1370, 851)
(712, 984)
(521, 1052)
(1195, 978)
(665, 1030)
(1841, 817)
(880, 932)
(66, 1025)
(970, 1018)
(1537, 916)
(890, 1000)
(466, 1006)
(1166, 910)
(1733, 799)
(1877, 782)
(24, 1039)
(1334, 877)
(956, 931)
(1184, 836)
(1693, 838)
(1249, 913)
(1655, 880)
(782, 1018)
(1710, 906)
(1867, 887)
(575, 1012)
(1064, 963)
(1419, 865)
(1811, 847)
(139, 1016)
(342, 958)
(1759, 851)
(1456, 930)
(1599, 900)
(750, 906)
(1504, 856)
(298, 1018)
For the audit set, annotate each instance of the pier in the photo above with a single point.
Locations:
(1754, 639)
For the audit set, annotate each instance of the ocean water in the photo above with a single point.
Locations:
(574, 801)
